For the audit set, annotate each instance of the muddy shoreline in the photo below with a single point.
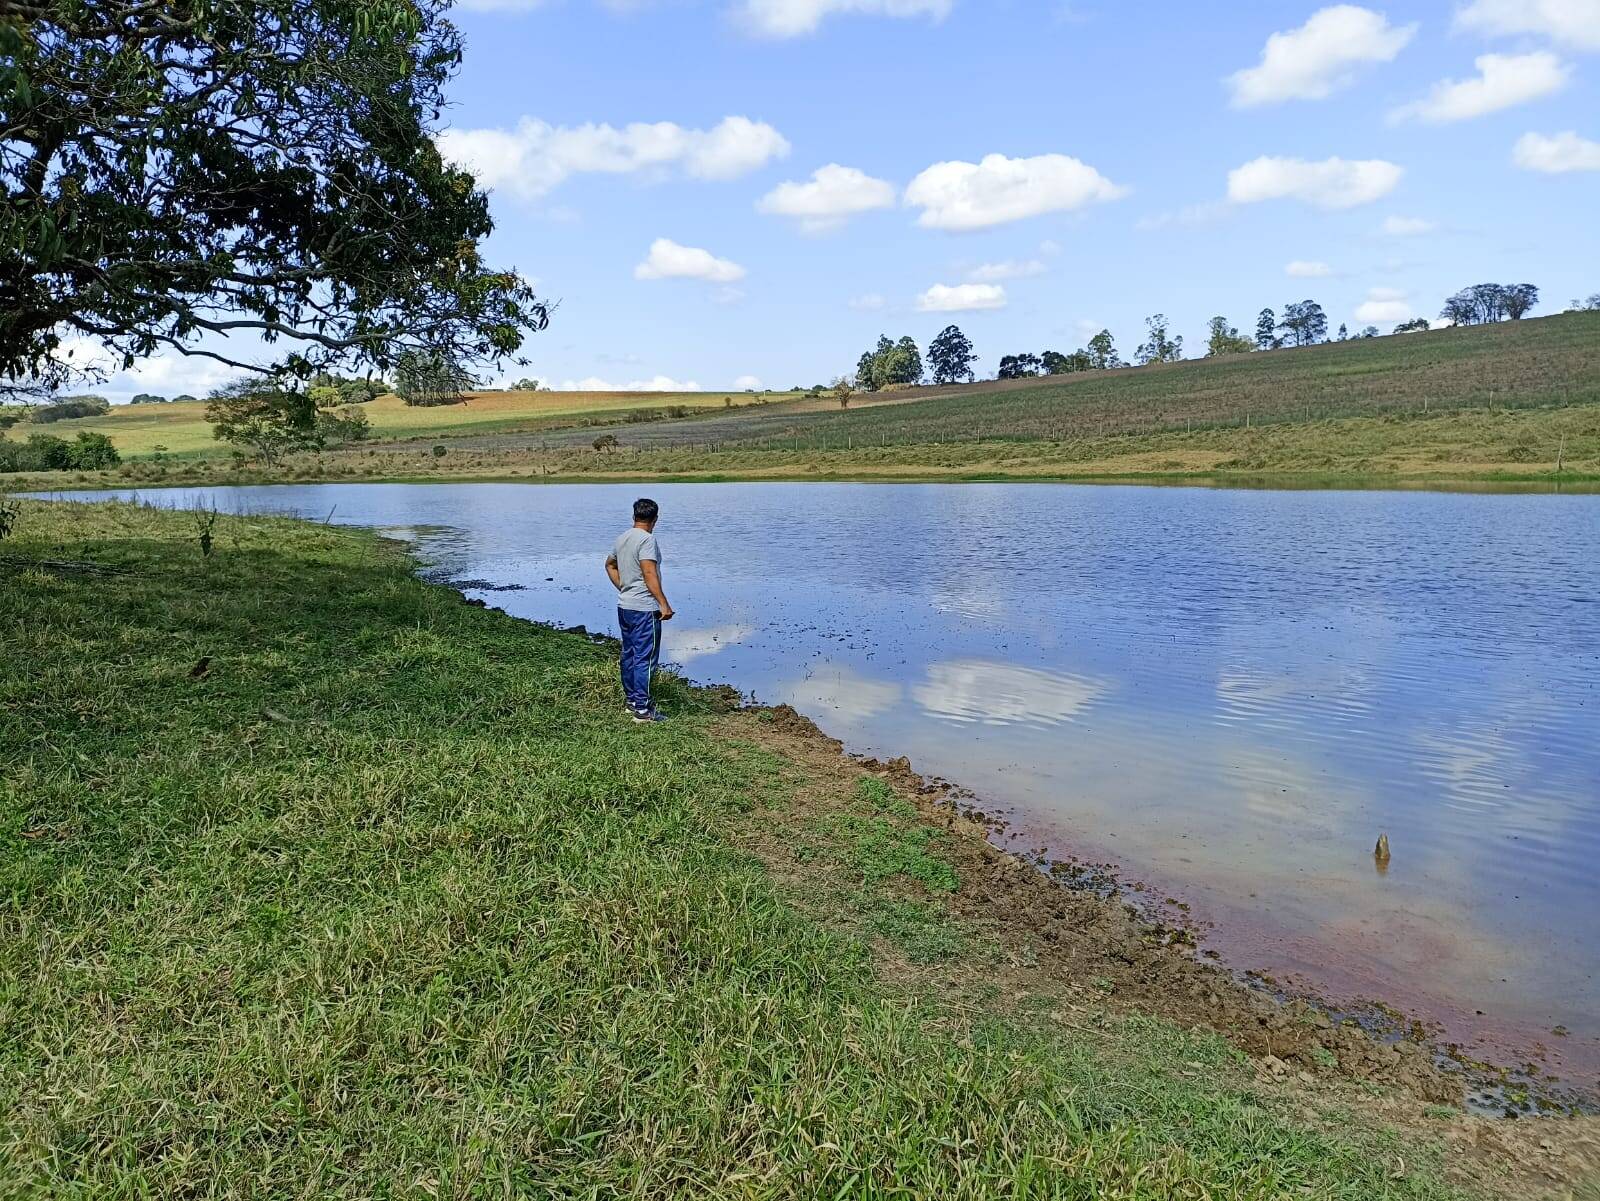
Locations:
(1085, 918)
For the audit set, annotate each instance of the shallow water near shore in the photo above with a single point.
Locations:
(1227, 694)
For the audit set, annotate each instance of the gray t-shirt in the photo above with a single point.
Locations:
(632, 546)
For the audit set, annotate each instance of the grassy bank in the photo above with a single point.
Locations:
(321, 882)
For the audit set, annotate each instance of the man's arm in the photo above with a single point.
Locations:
(612, 573)
(652, 581)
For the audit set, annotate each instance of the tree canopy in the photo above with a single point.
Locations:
(1020, 366)
(1102, 351)
(1484, 303)
(889, 363)
(264, 417)
(1160, 348)
(428, 378)
(950, 356)
(1303, 323)
(1267, 331)
(262, 168)
(1225, 339)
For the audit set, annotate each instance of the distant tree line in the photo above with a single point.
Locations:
(46, 452)
(1301, 323)
(1099, 355)
(68, 407)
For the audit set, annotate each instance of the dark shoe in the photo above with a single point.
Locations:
(647, 718)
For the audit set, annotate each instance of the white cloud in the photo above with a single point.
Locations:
(988, 273)
(752, 382)
(1331, 183)
(869, 302)
(166, 374)
(668, 260)
(832, 197)
(1320, 57)
(1503, 80)
(658, 383)
(960, 195)
(1572, 22)
(1383, 304)
(1556, 154)
(1408, 227)
(1302, 269)
(536, 157)
(795, 18)
(961, 298)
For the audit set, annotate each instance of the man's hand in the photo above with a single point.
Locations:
(652, 581)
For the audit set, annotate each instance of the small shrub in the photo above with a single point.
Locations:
(439, 452)
(205, 521)
(10, 513)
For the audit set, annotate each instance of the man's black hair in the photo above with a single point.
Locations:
(645, 510)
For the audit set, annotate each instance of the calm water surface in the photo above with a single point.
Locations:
(1227, 693)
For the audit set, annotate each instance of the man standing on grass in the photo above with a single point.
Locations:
(635, 571)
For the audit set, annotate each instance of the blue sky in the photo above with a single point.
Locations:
(1091, 170)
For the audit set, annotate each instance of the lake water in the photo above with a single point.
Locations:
(1229, 694)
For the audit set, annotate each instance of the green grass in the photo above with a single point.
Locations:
(390, 900)
(181, 430)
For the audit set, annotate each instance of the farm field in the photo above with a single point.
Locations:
(1549, 361)
(181, 429)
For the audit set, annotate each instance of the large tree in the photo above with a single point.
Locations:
(179, 174)
(1102, 352)
(1304, 323)
(1160, 348)
(1267, 331)
(889, 363)
(907, 365)
(1020, 366)
(429, 378)
(1225, 339)
(951, 357)
(263, 416)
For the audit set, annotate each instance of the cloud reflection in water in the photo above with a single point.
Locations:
(980, 690)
